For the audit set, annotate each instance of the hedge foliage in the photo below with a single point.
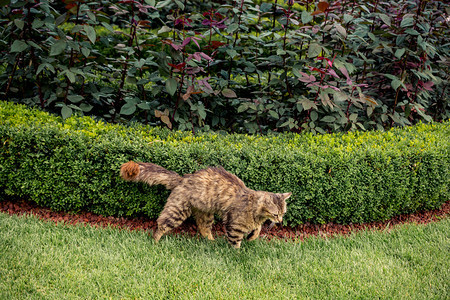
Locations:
(344, 178)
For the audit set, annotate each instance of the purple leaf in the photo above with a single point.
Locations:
(176, 47)
(345, 73)
(334, 88)
(333, 73)
(205, 56)
(204, 85)
(195, 41)
(185, 42)
(428, 86)
(307, 78)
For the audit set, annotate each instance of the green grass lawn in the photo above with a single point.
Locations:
(39, 260)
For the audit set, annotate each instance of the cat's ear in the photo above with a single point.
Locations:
(286, 195)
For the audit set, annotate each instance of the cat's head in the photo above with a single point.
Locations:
(274, 206)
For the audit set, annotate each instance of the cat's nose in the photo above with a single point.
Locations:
(279, 219)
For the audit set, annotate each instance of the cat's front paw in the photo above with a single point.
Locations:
(236, 245)
(252, 238)
(254, 234)
(157, 235)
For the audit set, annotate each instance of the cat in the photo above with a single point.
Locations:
(205, 193)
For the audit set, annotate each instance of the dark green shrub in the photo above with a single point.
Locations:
(240, 66)
(344, 178)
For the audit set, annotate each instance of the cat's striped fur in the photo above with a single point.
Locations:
(208, 192)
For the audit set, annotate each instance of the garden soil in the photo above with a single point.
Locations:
(189, 228)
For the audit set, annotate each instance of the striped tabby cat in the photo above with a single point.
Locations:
(205, 193)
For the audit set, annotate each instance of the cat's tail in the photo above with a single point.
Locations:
(149, 173)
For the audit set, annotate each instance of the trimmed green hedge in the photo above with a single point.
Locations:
(343, 178)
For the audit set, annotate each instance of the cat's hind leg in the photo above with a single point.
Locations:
(174, 213)
(204, 223)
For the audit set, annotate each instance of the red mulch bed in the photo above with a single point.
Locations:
(299, 232)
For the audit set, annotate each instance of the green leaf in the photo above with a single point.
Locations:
(90, 32)
(70, 75)
(400, 39)
(164, 29)
(37, 24)
(40, 68)
(308, 104)
(372, 37)
(232, 28)
(396, 83)
(275, 58)
(290, 122)
(180, 4)
(341, 30)
(201, 112)
(229, 93)
(18, 46)
(296, 72)
(340, 96)
(314, 50)
(45, 65)
(85, 51)
(61, 19)
(161, 4)
(107, 26)
(139, 63)
(399, 53)
(242, 107)
(33, 44)
(66, 112)
(273, 114)
(19, 23)
(265, 7)
(347, 18)
(306, 17)
(58, 47)
(215, 121)
(128, 108)
(320, 130)
(407, 110)
(75, 98)
(407, 22)
(171, 86)
(328, 119)
(385, 18)
(91, 16)
(412, 31)
(232, 53)
(86, 107)
(250, 67)
(144, 106)
(325, 99)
